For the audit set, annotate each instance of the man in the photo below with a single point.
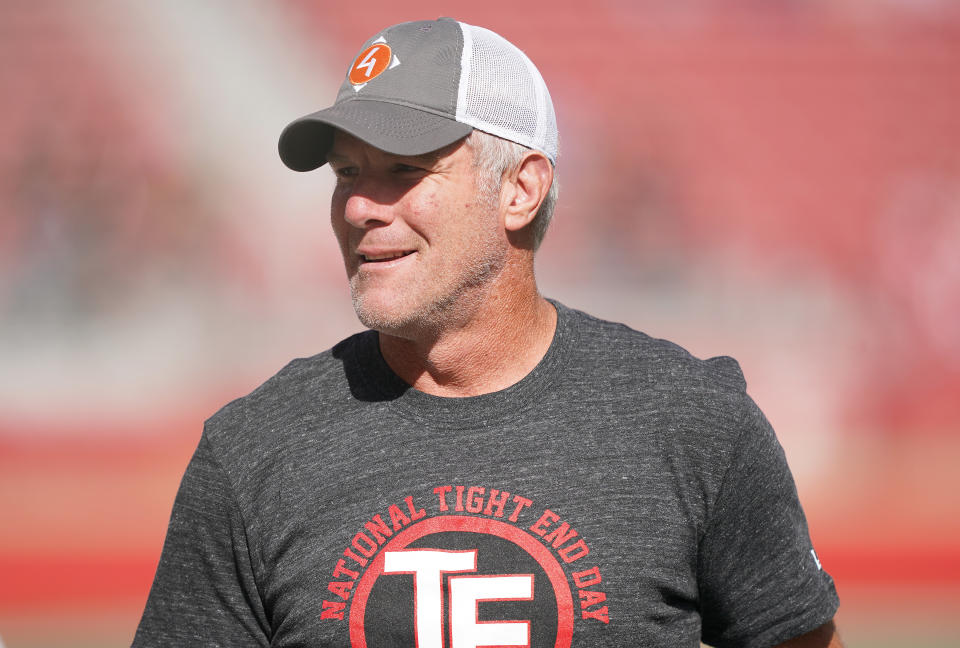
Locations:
(483, 467)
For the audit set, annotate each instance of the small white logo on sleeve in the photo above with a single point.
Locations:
(816, 560)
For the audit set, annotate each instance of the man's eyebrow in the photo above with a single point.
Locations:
(429, 157)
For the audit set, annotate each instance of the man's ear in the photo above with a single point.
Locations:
(529, 184)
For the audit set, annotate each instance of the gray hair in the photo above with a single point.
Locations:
(494, 156)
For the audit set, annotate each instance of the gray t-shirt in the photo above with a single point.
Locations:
(624, 493)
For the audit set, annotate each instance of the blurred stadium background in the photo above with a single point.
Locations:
(777, 181)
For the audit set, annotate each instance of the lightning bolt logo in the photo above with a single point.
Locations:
(368, 61)
(371, 63)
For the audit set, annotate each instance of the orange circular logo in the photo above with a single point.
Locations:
(371, 62)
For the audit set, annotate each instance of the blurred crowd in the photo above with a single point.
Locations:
(804, 146)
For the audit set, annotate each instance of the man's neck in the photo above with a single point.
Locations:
(494, 348)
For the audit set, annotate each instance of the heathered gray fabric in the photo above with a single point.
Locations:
(660, 463)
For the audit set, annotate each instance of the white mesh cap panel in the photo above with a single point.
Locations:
(502, 93)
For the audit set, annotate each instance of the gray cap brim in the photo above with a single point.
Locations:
(390, 127)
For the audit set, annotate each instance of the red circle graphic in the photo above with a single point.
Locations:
(370, 64)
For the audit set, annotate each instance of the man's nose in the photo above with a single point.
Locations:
(368, 204)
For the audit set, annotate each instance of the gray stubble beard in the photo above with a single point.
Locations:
(437, 315)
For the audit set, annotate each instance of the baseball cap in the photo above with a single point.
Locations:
(418, 86)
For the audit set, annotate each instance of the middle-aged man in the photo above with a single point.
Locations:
(483, 467)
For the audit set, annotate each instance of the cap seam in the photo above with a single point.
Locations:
(466, 55)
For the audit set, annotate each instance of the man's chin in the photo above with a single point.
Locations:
(415, 314)
(382, 316)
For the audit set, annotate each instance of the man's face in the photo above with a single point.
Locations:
(419, 241)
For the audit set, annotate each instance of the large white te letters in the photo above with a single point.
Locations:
(428, 567)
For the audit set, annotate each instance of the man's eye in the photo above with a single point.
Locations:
(406, 168)
(345, 172)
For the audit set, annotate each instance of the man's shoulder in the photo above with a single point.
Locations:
(300, 386)
(628, 354)
(696, 408)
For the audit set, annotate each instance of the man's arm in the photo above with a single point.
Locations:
(205, 592)
(823, 637)
(760, 580)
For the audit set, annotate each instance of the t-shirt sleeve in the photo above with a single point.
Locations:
(760, 580)
(204, 592)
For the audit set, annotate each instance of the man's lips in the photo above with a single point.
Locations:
(382, 257)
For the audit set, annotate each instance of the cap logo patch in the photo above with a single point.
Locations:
(371, 63)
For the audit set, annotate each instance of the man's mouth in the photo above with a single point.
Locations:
(384, 257)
